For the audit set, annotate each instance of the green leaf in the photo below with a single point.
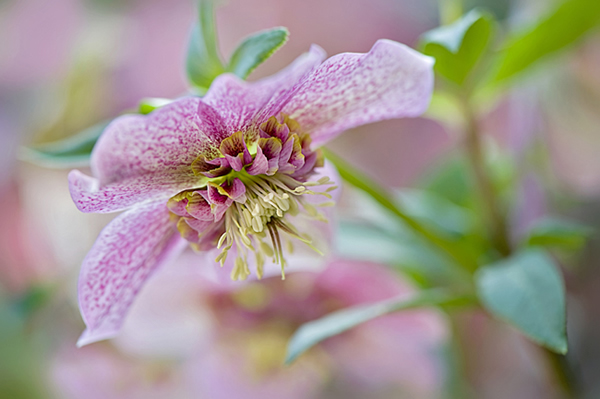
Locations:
(557, 233)
(148, 105)
(336, 323)
(256, 49)
(527, 291)
(457, 47)
(74, 151)
(203, 63)
(561, 27)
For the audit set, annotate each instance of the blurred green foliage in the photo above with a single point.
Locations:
(74, 151)
(203, 62)
(560, 27)
(458, 47)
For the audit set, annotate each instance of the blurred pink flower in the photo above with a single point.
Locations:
(233, 340)
(25, 258)
(25, 59)
(392, 355)
(197, 153)
(101, 372)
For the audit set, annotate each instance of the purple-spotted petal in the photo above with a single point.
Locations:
(281, 82)
(238, 101)
(166, 141)
(348, 90)
(125, 254)
(89, 196)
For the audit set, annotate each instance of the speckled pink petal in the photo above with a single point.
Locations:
(166, 141)
(348, 90)
(125, 254)
(88, 196)
(281, 82)
(238, 101)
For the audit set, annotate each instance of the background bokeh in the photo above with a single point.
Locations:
(68, 64)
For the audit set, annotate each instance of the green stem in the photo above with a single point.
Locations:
(379, 194)
(489, 199)
(561, 369)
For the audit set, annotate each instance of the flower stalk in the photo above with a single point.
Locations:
(483, 182)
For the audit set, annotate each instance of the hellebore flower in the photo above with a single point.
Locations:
(229, 170)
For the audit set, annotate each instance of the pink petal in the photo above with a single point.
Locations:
(236, 190)
(348, 90)
(166, 141)
(90, 197)
(285, 79)
(260, 165)
(238, 101)
(125, 254)
(178, 206)
(199, 208)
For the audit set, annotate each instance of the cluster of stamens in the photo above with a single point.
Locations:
(268, 200)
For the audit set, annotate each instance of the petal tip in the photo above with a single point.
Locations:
(79, 185)
(89, 337)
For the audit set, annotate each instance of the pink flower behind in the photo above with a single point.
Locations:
(230, 170)
(236, 340)
(394, 354)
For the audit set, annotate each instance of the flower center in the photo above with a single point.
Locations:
(251, 197)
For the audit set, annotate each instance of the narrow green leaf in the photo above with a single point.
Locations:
(557, 233)
(256, 49)
(336, 323)
(457, 47)
(148, 105)
(74, 151)
(203, 63)
(527, 291)
(437, 211)
(561, 27)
